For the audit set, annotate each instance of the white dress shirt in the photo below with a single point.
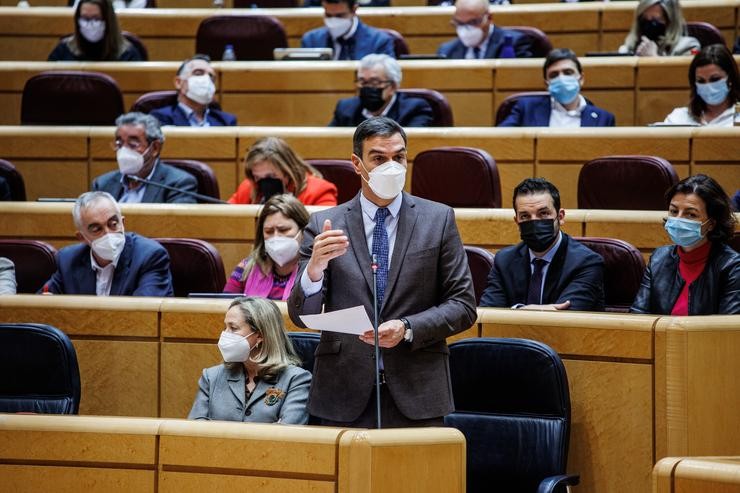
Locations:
(135, 195)
(103, 275)
(681, 116)
(560, 117)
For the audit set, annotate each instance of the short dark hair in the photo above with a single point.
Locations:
(715, 200)
(198, 56)
(350, 3)
(376, 126)
(560, 54)
(720, 56)
(532, 186)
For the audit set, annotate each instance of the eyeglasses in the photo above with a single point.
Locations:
(472, 22)
(376, 83)
(133, 144)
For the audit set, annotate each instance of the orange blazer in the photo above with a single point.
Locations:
(317, 192)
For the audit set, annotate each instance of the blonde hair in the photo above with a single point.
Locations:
(675, 27)
(276, 351)
(278, 152)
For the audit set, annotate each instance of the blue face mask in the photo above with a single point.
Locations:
(713, 92)
(684, 232)
(564, 89)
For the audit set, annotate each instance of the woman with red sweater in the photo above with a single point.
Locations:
(272, 168)
(700, 273)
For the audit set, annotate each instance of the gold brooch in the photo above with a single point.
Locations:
(273, 395)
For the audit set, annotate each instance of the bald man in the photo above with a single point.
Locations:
(477, 37)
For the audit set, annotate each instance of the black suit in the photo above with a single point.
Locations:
(407, 111)
(575, 274)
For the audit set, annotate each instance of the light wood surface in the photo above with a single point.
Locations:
(697, 475)
(636, 90)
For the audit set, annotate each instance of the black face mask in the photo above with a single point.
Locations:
(371, 98)
(268, 187)
(538, 234)
(652, 29)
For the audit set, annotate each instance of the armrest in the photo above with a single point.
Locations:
(549, 484)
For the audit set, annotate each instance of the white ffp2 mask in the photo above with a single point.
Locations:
(130, 162)
(92, 30)
(282, 249)
(387, 180)
(337, 26)
(234, 348)
(110, 246)
(201, 88)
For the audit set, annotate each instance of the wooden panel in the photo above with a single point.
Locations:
(643, 229)
(697, 475)
(70, 184)
(182, 365)
(41, 479)
(182, 482)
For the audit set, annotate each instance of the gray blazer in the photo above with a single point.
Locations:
(163, 173)
(221, 396)
(429, 284)
(7, 276)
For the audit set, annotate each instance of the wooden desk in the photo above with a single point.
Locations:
(636, 90)
(107, 454)
(697, 475)
(169, 33)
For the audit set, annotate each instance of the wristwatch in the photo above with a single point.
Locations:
(408, 334)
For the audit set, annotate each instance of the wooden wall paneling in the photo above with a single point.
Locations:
(182, 366)
(642, 229)
(70, 479)
(712, 153)
(697, 474)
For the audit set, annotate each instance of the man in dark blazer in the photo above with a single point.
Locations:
(565, 106)
(109, 261)
(548, 270)
(425, 292)
(196, 85)
(478, 37)
(378, 81)
(139, 141)
(346, 34)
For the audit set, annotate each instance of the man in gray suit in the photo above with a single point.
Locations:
(138, 143)
(425, 292)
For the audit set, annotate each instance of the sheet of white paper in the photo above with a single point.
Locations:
(348, 321)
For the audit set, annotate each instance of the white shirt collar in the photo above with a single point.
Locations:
(573, 113)
(369, 209)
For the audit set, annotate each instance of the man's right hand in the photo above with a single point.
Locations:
(329, 244)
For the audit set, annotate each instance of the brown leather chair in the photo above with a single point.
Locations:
(623, 269)
(625, 182)
(438, 102)
(341, 173)
(480, 262)
(254, 37)
(457, 176)
(706, 33)
(504, 109)
(150, 101)
(138, 43)
(400, 47)
(539, 42)
(14, 179)
(196, 266)
(71, 98)
(35, 261)
(207, 181)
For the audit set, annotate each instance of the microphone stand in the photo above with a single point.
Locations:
(374, 267)
(204, 198)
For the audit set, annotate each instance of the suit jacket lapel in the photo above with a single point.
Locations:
(525, 274)
(235, 378)
(542, 115)
(494, 43)
(406, 221)
(356, 234)
(554, 271)
(152, 193)
(121, 272)
(87, 277)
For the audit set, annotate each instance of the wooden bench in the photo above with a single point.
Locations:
(697, 475)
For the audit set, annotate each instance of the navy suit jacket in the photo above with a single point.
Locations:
(455, 49)
(576, 274)
(366, 40)
(173, 115)
(406, 111)
(534, 111)
(143, 270)
(168, 175)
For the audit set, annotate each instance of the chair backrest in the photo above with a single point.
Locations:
(480, 262)
(625, 182)
(539, 42)
(14, 179)
(706, 33)
(196, 266)
(153, 100)
(207, 181)
(513, 405)
(440, 106)
(305, 345)
(71, 98)
(623, 269)
(138, 44)
(400, 47)
(35, 262)
(253, 37)
(456, 176)
(504, 109)
(40, 368)
(342, 174)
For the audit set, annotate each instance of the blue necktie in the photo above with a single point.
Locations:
(476, 52)
(380, 251)
(534, 294)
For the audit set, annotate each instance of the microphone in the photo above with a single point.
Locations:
(204, 198)
(374, 267)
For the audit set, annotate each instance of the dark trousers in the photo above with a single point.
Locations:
(390, 415)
